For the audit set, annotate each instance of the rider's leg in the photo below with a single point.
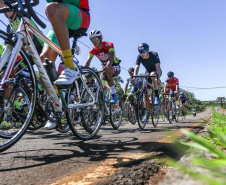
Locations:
(155, 85)
(58, 13)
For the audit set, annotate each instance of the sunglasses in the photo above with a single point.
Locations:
(94, 39)
(142, 51)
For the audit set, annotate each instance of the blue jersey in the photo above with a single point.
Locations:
(183, 98)
(136, 83)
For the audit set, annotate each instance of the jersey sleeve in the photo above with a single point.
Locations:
(157, 60)
(92, 52)
(110, 46)
(127, 80)
(138, 60)
(177, 81)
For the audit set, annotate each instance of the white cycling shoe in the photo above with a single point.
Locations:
(67, 77)
(50, 125)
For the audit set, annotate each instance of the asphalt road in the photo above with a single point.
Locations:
(50, 157)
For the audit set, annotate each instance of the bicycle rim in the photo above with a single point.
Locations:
(132, 113)
(14, 122)
(116, 114)
(155, 116)
(86, 121)
(170, 113)
(142, 110)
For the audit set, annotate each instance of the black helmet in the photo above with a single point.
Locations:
(170, 73)
(88, 75)
(131, 69)
(143, 46)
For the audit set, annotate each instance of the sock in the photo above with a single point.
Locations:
(113, 90)
(156, 93)
(68, 60)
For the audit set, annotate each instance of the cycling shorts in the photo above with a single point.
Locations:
(115, 72)
(149, 78)
(183, 102)
(77, 19)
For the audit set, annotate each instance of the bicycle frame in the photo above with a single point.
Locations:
(23, 38)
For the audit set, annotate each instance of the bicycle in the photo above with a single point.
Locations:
(145, 106)
(113, 112)
(131, 107)
(60, 101)
(183, 113)
(173, 110)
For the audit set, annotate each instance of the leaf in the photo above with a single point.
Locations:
(204, 143)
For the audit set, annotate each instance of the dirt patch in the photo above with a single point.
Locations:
(136, 175)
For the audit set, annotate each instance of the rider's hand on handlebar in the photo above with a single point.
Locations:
(158, 81)
(132, 80)
(176, 92)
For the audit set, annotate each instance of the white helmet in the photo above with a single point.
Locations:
(95, 33)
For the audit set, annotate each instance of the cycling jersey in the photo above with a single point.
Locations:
(150, 62)
(183, 99)
(103, 53)
(172, 84)
(79, 3)
(136, 84)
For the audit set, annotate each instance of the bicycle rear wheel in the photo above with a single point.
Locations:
(14, 121)
(142, 109)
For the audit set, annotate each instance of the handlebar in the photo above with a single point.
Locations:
(18, 6)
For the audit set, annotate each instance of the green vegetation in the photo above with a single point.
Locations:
(214, 145)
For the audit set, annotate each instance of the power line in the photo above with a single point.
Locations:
(200, 88)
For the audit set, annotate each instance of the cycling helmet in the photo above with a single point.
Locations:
(182, 93)
(20, 95)
(88, 75)
(143, 46)
(95, 33)
(170, 73)
(131, 69)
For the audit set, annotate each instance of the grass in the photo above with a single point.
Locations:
(215, 146)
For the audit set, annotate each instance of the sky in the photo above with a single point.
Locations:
(188, 35)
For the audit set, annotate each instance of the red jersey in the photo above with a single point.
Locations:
(103, 53)
(172, 84)
(84, 4)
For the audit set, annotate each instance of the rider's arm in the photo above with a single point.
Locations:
(158, 69)
(87, 63)
(125, 89)
(136, 70)
(111, 58)
(165, 87)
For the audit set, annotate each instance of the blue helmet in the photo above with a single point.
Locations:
(131, 69)
(170, 73)
(182, 93)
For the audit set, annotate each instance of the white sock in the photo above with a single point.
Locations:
(113, 90)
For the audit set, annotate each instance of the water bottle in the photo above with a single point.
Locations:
(50, 69)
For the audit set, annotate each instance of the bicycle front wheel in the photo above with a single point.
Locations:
(132, 115)
(116, 114)
(155, 115)
(170, 112)
(142, 109)
(14, 117)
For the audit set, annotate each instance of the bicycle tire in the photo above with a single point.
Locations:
(14, 134)
(155, 115)
(80, 129)
(177, 112)
(170, 112)
(132, 115)
(142, 109)
(116, 114)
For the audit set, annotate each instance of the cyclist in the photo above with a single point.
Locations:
(105, 52)
(66, 16)
(173, 84)
(194, 111)
(183, 100)
(151, 62)
(137, 84)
